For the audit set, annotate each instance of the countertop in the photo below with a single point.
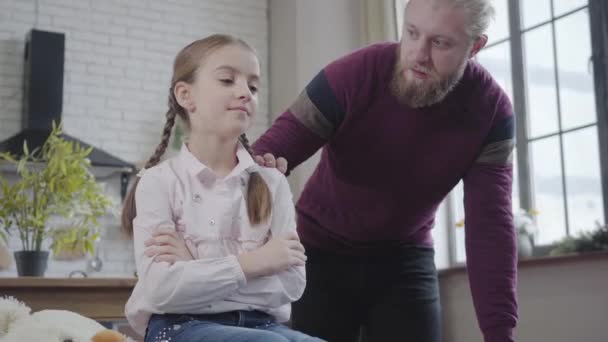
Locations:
(539, 261)
(102, 299)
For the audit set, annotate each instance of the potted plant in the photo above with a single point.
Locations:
(54, 180)
(592, 241)
(72, 241)
(526, 231)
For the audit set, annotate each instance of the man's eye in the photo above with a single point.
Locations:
(442, 44)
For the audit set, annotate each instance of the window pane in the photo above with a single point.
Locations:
(497, 60)
(562, 6)
(499, 27)
(458, 194)
(583, 182)
(461, 255)
(399, 8)
(534, 12)
(441, 238)
(577, 96)
(540, 80)
(515, 191)
(548, 190)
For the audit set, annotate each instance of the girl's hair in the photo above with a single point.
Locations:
(187, 61)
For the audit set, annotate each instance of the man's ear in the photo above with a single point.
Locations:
(182, 92)
(479, 43)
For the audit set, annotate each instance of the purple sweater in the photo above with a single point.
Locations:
(385, 168)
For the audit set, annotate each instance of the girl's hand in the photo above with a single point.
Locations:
(168, 247)
(278, 254)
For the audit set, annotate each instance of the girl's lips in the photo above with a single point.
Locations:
(242, 109)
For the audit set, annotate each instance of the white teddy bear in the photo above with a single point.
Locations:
(18, 325)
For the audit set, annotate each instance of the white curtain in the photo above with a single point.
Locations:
(379, 20)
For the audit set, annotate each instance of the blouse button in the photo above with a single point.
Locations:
(212, 222)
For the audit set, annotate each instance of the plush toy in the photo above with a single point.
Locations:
(18, 325)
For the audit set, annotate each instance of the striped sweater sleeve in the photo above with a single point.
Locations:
(305, 126)
(318, 112)
(490, 237)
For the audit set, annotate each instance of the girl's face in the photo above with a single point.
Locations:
(225, 92)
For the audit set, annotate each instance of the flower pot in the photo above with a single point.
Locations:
(525, 247)
(31, 263)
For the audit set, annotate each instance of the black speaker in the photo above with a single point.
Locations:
(43, 79)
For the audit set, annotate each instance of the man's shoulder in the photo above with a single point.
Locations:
(476, 73)
(375, 56)
(485, 90)
(481, 79)
(360, 72)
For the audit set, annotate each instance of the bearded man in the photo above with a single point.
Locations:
(400, 124)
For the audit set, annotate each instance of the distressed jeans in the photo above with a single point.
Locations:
(234, 326)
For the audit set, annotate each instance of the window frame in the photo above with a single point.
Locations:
(598, 22)
(525, 184)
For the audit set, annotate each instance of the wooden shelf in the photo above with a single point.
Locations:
(102, 299)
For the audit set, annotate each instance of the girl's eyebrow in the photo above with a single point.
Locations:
(253, 77)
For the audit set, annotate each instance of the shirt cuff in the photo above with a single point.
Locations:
(498, 334)
(238, 271)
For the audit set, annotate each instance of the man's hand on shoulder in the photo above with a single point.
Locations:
(268, 160)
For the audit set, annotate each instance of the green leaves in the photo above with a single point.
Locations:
(74, 237)
(595, 240)
(55, 180)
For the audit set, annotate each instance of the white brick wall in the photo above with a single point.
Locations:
(119, 55)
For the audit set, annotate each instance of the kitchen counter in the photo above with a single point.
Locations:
(102, 299)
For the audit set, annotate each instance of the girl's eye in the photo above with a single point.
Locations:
(226, 81)
(253, 89)
(439, 43)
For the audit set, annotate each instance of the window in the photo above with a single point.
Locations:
(561, 117)
(399, 8)
(542, 50)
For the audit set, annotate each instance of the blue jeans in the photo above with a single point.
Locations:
(234, 326)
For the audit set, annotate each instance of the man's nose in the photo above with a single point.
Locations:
(422, 53)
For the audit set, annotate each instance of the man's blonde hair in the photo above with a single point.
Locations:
(480, 12)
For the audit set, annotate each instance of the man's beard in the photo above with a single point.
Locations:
(423, 93)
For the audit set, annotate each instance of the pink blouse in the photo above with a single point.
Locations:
(210, 213)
